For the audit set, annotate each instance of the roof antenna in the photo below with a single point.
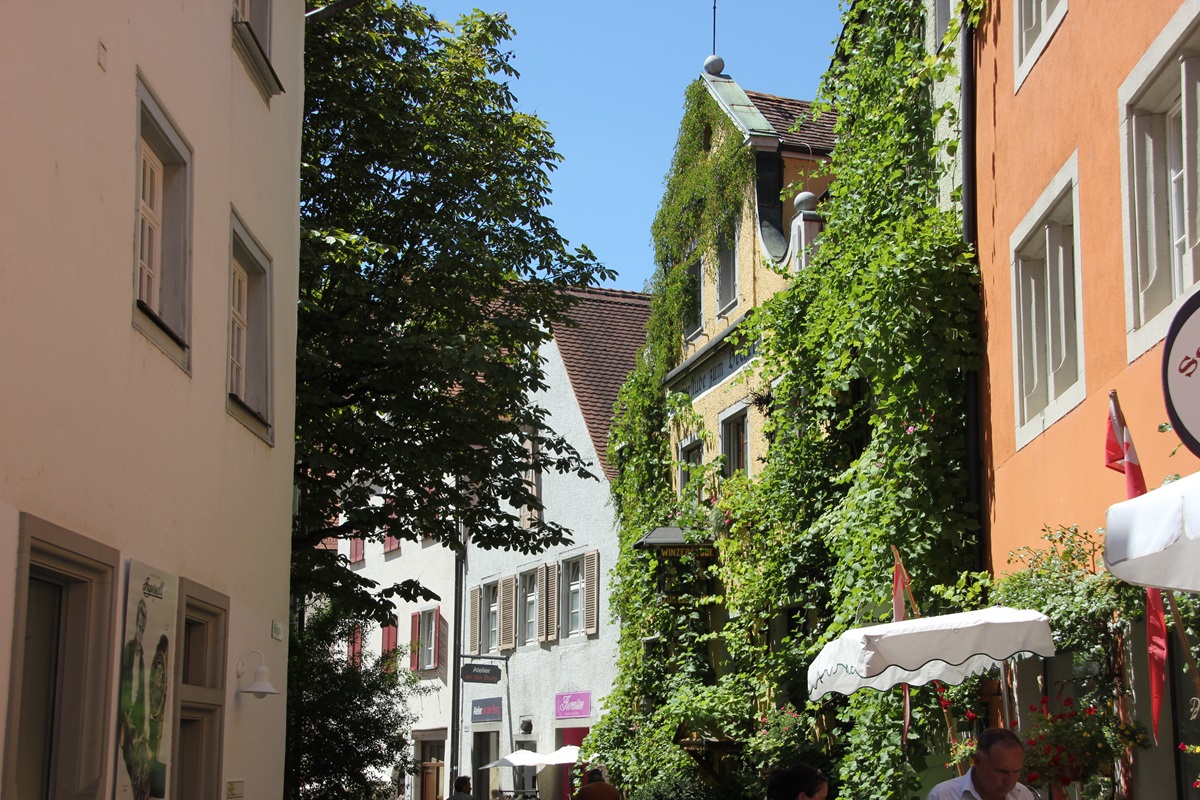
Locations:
(714, 64)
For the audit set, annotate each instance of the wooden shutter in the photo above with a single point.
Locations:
(414, 643)
(548, 602)
(508, 617)
(591, 592)
(443, 633)
(473, 621)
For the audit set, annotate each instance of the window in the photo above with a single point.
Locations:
(533, 483)
(249, 332)
(941, 22)
(163, 230)
(57, 731)
(691, 455)
(354, 647)
(733, 441)
(527, 607)
(581, 595)
(391, 544)
(252, 40)
(357, 548)
(727, 285)
(573, 577)
(1047, 324)
(1035, 23)
(490, 614)
(200, 691)
(547, 602)
(425, 644)
(693, 321)
(1160, 104)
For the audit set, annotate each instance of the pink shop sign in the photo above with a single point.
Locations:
(572, 704)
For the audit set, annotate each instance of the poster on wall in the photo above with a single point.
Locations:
(147, 663)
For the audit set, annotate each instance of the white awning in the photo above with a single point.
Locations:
(947, 648)
(1154, 540)
(567, 754)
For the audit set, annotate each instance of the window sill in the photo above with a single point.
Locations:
(254, 56)
(154, 328)
(727, 310)
(252, 419)
(1052, 413)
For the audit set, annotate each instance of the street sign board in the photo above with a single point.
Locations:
(487, 709)
(480, 673)
(1181, 373)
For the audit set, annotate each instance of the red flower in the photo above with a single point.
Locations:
(971, 715)
(1067, 702)
(1091, 710)
(945, 703)
(1032, 777)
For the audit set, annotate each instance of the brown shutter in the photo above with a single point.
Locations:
(591, 592)
(548, 603)
(442, 629)
(414, 644)
(508, 607)
(473, 621)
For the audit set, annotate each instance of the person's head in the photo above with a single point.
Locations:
(594, 775)
(996, 768)
(799, 782)
(462, 784)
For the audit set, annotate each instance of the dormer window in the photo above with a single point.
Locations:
(727, 288)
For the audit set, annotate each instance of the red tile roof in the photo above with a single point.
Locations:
(600, 353)
(783, 112)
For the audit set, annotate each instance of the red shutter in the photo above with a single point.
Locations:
(390, 544)
(354, 647)
(356, 549)
(440, 623)
(414, 643)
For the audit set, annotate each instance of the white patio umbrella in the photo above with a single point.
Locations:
(567, 754)
(1154, 539)
(947, 648)
(519, 758)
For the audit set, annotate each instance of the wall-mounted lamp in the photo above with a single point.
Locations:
(261, 686)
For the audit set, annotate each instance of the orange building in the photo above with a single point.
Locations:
(1088, 208)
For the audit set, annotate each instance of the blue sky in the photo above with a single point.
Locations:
(608, 78)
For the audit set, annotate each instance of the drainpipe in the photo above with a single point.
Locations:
(456, 669)
(970, 210)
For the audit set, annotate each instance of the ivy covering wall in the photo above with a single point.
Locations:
(871, 350)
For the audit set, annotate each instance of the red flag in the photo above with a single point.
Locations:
(1119, 454)
(899, 584)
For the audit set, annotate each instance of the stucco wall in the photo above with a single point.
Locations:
(104, 435)
(536, 672)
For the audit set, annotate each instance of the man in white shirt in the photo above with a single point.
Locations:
(993, 774)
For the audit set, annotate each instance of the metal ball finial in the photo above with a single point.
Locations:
(714, 64)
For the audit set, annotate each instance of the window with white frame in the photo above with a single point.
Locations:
(727, 285)
(490, 613)
(1035, 24)
(1047, 320)
(527, 608)
(941, 21)
(580, 594)
(252, 38)
(425, 647)
(249, 331)
(163, 229)
(734, 442)
(573, 591)
(1160, 127)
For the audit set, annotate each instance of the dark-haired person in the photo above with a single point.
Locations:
(597, 789)
(994, 772)
(799, 782)
(462, 788)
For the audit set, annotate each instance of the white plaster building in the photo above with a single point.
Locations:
(150, 192)
(544, 619)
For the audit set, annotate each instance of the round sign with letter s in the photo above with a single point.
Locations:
(1181, 373)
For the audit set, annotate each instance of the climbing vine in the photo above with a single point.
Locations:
(870, 351)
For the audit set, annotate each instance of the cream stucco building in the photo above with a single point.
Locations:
(150, 162)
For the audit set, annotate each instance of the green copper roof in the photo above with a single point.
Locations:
(759, 132)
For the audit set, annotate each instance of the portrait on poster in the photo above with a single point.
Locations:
(144, 714)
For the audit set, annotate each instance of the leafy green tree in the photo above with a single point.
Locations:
(348, 722)
(429, 275)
